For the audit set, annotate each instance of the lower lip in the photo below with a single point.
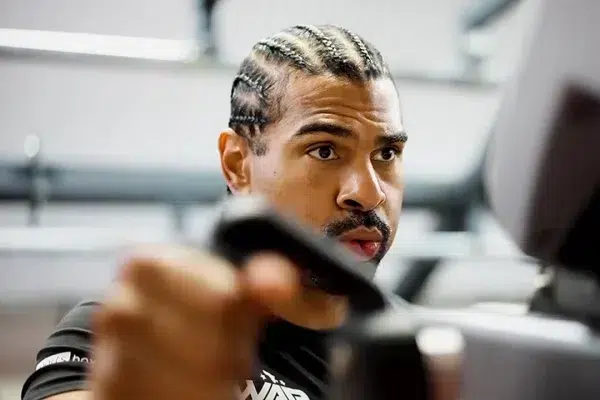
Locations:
(363, 249)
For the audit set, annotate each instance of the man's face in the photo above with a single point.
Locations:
(334, 161)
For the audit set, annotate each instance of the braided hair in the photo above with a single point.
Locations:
(314, 50)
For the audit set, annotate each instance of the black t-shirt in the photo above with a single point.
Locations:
(291, 361)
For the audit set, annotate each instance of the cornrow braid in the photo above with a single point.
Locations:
(334, 60)
(257, 93)
(362, 50)
(330, 47)
(286, 51)
(251, 83)
(247, 119)
(381, 67)
(249, 127)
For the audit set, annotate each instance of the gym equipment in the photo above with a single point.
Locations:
(248, 225)
(542, 175)
(481, 13)
(543, 179)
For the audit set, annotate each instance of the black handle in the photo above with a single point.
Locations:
(377, 345)
(248, 225)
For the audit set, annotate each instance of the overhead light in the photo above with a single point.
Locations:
(102, 45)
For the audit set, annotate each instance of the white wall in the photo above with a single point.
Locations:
(100, 114)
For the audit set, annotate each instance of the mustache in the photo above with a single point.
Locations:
(358, 219)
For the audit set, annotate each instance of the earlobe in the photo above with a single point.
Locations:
(233, 151)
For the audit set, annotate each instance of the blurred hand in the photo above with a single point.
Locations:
(444, 376)
(183, 324)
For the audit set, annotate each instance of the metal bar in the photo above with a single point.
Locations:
(94, 184)
(71, 240)
(415, 278)
(89, 184)
(483, 12)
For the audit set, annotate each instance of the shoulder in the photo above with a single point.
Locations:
(80, 315)
(61, 364)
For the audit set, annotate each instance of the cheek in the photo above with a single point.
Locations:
(394, 191)
(394, 206)
(297, 189)
(394, 180)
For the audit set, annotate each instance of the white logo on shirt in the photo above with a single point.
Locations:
(60, 358)
(272, 389)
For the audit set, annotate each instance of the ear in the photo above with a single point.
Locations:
(234, 153)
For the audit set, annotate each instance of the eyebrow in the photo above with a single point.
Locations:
(387, 140)
(324, 127)
(340, 131)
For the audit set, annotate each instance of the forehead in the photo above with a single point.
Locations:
(357, 105)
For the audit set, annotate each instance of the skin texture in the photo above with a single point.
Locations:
(322, 177)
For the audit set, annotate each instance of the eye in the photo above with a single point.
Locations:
(323, 153)
(387, 154)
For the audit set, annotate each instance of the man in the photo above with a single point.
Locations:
(315, 128)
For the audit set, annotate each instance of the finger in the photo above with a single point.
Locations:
(270, 279)
(115, 324)
(213, 345)
(209, 344)
(138, 371)
(444, 373)
(188, 280)
(122, 313)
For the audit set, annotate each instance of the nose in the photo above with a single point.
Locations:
(361, 190)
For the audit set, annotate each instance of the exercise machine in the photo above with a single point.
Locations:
(542, 179)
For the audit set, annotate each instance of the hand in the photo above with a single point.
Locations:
(444, 376)
(183, 324)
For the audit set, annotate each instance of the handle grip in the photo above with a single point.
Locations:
(248, 225)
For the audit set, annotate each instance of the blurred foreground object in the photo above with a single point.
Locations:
(542, 175)
(543, 170)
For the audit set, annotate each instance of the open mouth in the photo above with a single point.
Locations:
(364, 250)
